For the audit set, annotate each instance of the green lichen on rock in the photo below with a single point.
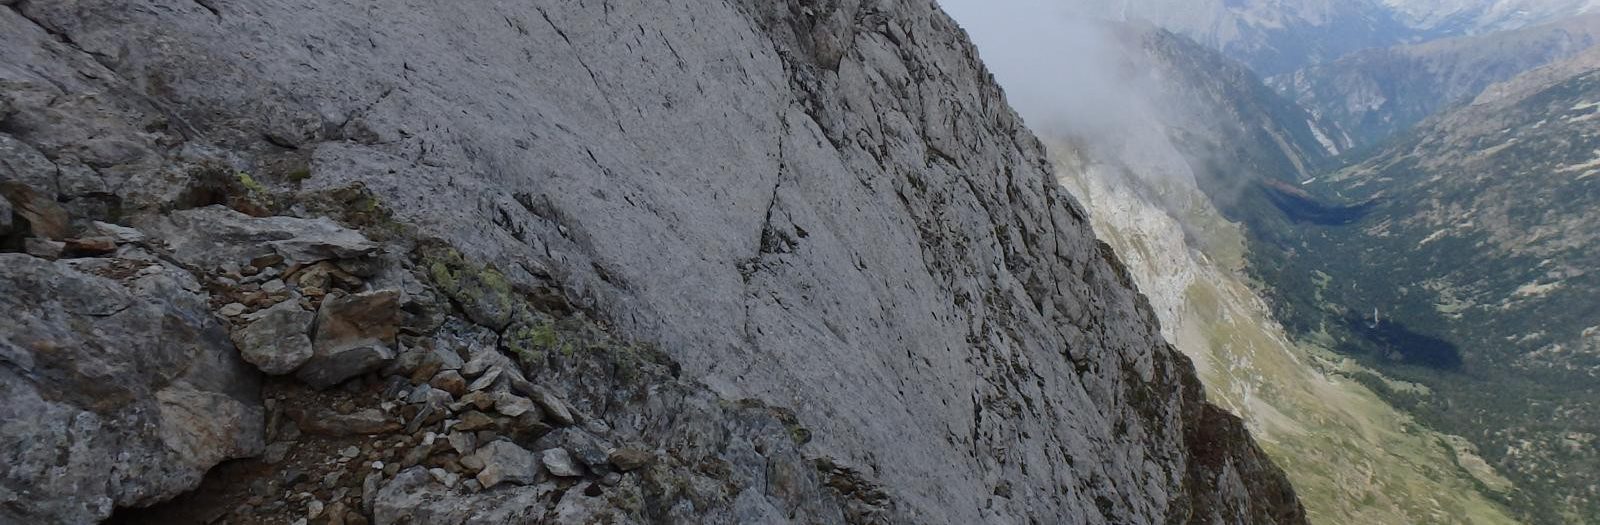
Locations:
(485, 294)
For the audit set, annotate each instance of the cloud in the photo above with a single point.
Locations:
(1063, 72)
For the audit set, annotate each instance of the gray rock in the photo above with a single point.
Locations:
(577, 506)
(276, 342)
(273, 286)
(585, 447)
(212, 235)
(512, 405)
(560, 464)
(44, 248)
(414, 497)
(354, 335)
(829, 208)
(46, 218)
(505, 462)
(236, 309)
(553, 406)
(119, 234)
(363, 422)
(630, 459)
(124, 415)
(5, 216)
(486, 380)
(463, 443)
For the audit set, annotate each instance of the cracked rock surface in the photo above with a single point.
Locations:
(872, 302)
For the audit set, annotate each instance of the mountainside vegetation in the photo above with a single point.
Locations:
(1474, 271)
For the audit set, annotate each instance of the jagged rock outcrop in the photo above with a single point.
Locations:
(824, 206)
(120, 389)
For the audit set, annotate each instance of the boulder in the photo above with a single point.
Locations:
(560, 463)
(277, 341)
(580, 444)
(126, 414)
(355, 334)
(505, 462)
(45, 217)
(43, 248)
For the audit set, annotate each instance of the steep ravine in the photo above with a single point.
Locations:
(703, 261)
(1353, 457)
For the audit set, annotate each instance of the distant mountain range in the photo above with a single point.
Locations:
(1373, 94)
(1280, 36)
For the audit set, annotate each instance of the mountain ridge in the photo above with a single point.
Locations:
(822, 206)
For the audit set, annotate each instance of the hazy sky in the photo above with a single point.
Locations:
(1062, 73)
(1075, 79)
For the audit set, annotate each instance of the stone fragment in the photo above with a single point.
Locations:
(480, 400)
(444, 477)
(487, 380)
(427, 394)
(276, 452)
(274, 286)
(325, 275)
(418, 496)
(89, 246)
(277, 341)
(512, 405)
(585, 447)
(118, 234)
(506, 462)
(553, 406)
(266, 261)
(450, 381)
(462, 442)
(560, 463)
(354, 336)
(474, 421)
(43, 248)
(44, 216)
(630, 459)
(364, 422)
(236, 309)
(5, 216)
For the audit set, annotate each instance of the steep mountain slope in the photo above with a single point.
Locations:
(1479, 256)
(1374, 94)
(824, 206)
(1352, 457)
(1180, 113)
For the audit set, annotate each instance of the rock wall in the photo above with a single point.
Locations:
(825, 206)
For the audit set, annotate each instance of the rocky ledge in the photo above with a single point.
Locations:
(374, 395)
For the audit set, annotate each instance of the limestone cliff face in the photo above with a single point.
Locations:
(826, 206)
